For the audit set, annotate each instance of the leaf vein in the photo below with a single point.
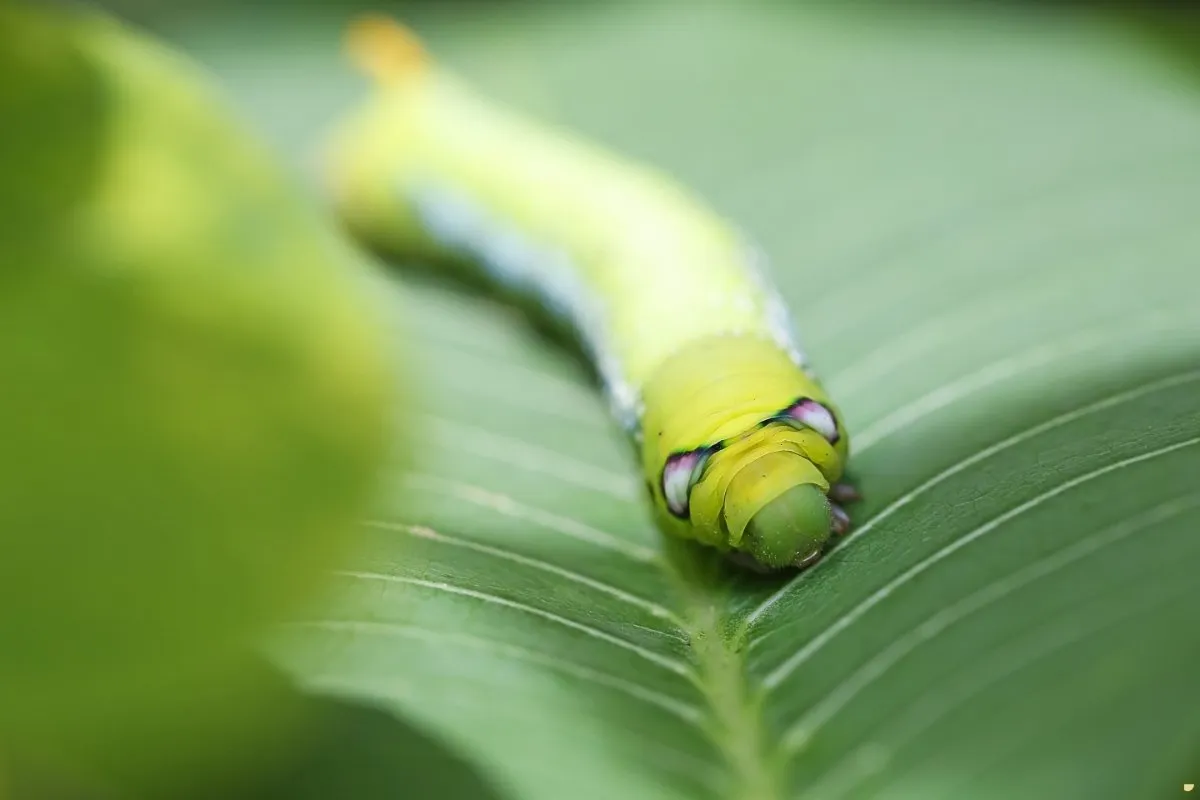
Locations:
(534, 563)
(673, 665)
(518, 453)
(922, 634)
(780, 673)
(684, 711)
(908, 497)
(917, 719)
(997, 372)
(507, 506)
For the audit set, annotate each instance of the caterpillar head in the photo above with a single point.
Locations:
(763, 491)
(746, 459)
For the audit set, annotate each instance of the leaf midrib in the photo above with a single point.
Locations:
(735, 721)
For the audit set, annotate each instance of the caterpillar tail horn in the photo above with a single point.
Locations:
(385, 50)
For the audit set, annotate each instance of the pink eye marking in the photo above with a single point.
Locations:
(812, 414)
(679, 476)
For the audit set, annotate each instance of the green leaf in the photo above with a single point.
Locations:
(985, 224)
(195, 395)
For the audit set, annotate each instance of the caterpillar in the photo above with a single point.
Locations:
(740, 447)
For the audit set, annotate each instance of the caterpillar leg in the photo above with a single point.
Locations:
(841, 520)
(844, 493)
(840, 495)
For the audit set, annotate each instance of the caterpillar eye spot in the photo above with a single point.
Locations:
(812, 414)
(680, 474)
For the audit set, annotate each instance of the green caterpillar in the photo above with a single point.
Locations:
(740, 447)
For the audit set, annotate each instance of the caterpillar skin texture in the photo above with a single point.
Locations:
(740, 446)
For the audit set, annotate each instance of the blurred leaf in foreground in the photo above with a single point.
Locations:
(335, 749)
(361, 752)
(196, 395)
